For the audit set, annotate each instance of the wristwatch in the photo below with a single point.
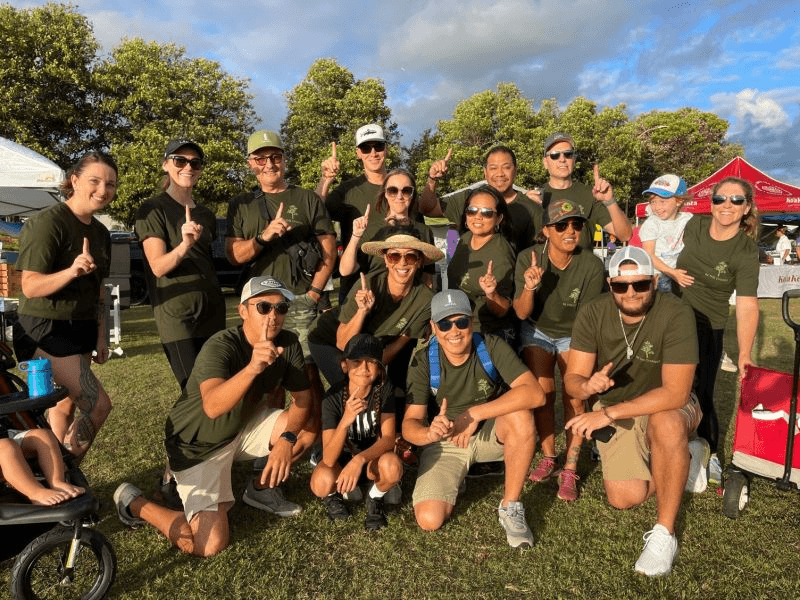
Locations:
(261, 241)
(289, 437)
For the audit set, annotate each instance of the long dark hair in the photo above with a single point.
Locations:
(750, 221)
(382, 206)
(84, 161)
(499, 204)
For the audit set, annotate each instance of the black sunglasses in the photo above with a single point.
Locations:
(261, 161)
(181, 161)
(368, 147)
(621, 287)
(556, 155)
(393, 191)
(734, 198)
(446, 325)
(561, 226)
(485, 212)
(264, 307)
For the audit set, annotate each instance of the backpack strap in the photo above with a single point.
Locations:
(483, 355)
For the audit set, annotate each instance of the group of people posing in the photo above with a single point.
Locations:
(638, 347)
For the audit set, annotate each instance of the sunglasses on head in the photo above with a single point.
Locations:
(485, 212)
(181, 161)
(261, 161)
(447, 325)
(561, 226)
(264, 307)
(368, 147)
(621, 287)
(408, 258)
(736, 199)
(556, 155)
(393, 191)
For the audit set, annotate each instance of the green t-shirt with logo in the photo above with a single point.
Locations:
(561, 292)
(667, 336)
(249, 214)
(718, 269)
(465, 385)
(191, 436)
(50, 241)
(187, 301)
(466, 268)
(387, 319)
(525, 216)
(349, 200)
(580, 194)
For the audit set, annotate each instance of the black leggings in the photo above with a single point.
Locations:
(709, 342)
(181, 356)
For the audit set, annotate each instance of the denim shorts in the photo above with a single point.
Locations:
(530, 335)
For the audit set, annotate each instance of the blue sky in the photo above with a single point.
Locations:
(740, 60)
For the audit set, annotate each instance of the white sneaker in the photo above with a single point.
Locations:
(727, 364)
(660, 550)
(512, 518)
(700, 451)
(714, 470)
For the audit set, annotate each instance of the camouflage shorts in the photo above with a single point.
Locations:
(302, 313)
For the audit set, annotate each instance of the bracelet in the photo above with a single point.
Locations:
(261, 241)
(533, 289)
(610, 202)
(358, 237)
(607, 416)
(316, 290)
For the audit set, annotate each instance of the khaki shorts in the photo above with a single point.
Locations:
(302, 312)
(205, 486)
(626, 456)
(443, 466)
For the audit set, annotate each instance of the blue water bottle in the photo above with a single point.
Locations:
(40, 376)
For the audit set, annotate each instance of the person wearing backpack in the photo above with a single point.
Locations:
(482, 399)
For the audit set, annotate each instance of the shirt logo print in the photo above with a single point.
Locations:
(401, 324)
(291, 212)
(647, 349)
(484, 388)
(721, 268)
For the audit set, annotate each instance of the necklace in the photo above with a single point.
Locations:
(629, 345)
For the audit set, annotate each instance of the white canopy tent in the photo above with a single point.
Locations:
(28, 181)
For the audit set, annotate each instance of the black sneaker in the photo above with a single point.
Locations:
(337, 509)
(169, 494)
(376, 517)
(495, 468)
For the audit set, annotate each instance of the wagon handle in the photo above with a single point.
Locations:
(785, 483)
(787, 295)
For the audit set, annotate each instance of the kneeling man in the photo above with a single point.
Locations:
(633, 353)
(224, 415)
(481, 397)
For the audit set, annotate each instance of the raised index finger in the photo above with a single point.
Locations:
(489, 268)
(188, 213)
(443, 409)
(86, 245)
(534, 262)
(279, 214)
(333, 149)
(606, 370)
(449, 155)
(363, 282)
(366, 212)
(596, 171)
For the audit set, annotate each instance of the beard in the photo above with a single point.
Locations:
(647, 303)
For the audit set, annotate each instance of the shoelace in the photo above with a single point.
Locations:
(516, 514)
(659, 540)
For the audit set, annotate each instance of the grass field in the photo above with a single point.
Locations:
(583, 550)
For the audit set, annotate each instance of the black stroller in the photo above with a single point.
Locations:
(59, 553)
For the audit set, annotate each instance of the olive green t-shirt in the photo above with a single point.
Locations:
(667, 336)
(50, 242)
(465, 385)
(466, 268)
(560, 292)
(191, 436)
(187, 301)
(581, 194)
(525, 215)
(387, 319)
(249, 214)
(718, 269)
(349, 200)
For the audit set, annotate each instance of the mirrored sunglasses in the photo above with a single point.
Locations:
(736, 199)
(485, 212)
(556, 155)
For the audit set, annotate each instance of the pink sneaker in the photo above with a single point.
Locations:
(546, 468)
(568, 485)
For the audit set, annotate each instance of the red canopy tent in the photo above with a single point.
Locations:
(772, 196)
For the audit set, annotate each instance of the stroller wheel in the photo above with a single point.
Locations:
(736, 495)
(47, 568)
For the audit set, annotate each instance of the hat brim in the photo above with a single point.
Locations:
(290, 297)
(659, 192)
(565, 217)
(429, 251)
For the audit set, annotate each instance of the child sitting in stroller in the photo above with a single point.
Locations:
(15, 447)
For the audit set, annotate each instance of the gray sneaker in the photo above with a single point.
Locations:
(512, 518)
(123, 496)
(270, 500)
(700, 452)
(714, 470)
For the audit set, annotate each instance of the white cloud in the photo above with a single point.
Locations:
(789, 59)
(750, 107)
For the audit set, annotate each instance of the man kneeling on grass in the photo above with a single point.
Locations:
(224, 415)
(634, 352)
(483, 397)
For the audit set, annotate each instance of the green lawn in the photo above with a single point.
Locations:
(583, 550)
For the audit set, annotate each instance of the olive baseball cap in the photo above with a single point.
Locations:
(263, 139)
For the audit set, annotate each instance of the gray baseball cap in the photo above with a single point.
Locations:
(448, 303)
(264, 285)
(631, 254)
(558, 136)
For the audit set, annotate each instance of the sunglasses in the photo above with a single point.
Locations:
(561, 226)
(446, 325)
(556, 155)
(264, 307)
(621, 287)
(485, 212)
(409, 258)
(261, 161)
(368, 147)
(735, 199)
(393, 191)
(181, 161)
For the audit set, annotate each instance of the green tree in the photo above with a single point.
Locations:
(46, 57)
(329, 105)
(151, 93)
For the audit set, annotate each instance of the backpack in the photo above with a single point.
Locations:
(483, 356)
